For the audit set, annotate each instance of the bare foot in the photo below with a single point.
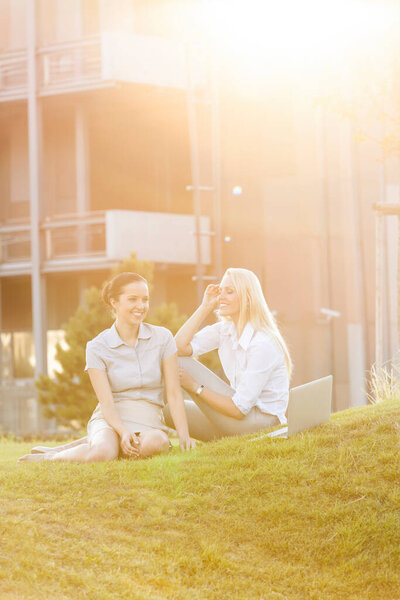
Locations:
(36, 457)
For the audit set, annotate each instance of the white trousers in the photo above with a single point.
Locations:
(205, 423)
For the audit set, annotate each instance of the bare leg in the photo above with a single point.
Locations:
(152, 442)
(104, 447)
(43, 449)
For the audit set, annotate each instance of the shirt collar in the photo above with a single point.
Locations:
(114, 340)
(245, 338)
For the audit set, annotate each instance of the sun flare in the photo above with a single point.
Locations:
(307, 34)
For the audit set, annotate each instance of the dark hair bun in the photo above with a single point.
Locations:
(105, 294)
(115, 287)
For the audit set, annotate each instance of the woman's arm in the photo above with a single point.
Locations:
(101, 386)
(175, 401)
(223, 404)
(191, 326)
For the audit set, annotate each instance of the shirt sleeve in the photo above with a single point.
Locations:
(169, 347)
(94, 360)
(205, 340)
(262, 361)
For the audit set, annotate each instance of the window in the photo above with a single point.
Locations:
(6, 358)
(23, 355)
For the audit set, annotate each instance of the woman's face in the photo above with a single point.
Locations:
(229, 305)
(133, 304)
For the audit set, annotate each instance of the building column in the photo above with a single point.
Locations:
(82, 176)
(326, 293)
(82, 162)
(35, 142)
(82, 187)
(356, 311)
(1, 330)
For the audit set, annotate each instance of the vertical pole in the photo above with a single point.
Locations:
(82, 189)
(216, 166)
(34, 200)
(381, 281)
(82, 176)
(1, 329)
(391, 269)
(357, 326)
(326, 278)
(195, 169)
(397, 288)
(379, 289)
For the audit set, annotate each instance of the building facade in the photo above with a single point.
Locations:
(116, 135)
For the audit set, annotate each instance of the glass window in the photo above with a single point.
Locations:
(6, 356)
(54, 337)
(24, 356)
(17, 24)
(19, 184)
(90, 17)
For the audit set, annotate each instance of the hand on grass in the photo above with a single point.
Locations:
(186, 443)
(130, 444)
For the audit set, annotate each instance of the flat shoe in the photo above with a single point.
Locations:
(40, 450)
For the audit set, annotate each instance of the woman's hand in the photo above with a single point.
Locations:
(187, 381)
(211, 297)
(186, 443)
(130, 443)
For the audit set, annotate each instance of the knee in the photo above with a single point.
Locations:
(102, 453)
(153, 442)
(167, 417)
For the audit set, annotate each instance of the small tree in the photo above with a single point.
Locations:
(69, 396)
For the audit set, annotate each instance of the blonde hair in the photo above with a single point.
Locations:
(254, 308)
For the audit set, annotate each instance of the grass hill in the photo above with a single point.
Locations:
(313, 517)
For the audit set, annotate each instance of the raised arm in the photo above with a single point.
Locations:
(175, 401)
(101, 386)
(192, 325)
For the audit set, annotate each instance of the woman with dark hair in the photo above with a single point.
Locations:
(128, 365)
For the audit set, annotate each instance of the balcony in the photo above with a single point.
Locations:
(98, 61)
(99, 240)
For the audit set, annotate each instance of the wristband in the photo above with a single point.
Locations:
(199, 390)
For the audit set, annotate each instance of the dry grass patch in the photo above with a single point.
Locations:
(312, 517)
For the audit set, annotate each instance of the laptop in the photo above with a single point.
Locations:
(309, 406)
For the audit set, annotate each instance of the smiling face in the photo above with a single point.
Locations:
(229, 305)
(132, 304)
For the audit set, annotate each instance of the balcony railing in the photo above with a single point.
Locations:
(98, 61)
(63, 237)
(99, 239)
(13, 75)
(60, 68)
(72, 64)
(75, 235)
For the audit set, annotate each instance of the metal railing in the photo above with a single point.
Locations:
(19, 410)
(13, 74)
(61, 67)
(72, 235)
(69, 64)
(62, 236)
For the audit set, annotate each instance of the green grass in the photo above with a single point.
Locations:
(313, 517)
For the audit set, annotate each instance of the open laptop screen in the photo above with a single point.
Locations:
(309, 404)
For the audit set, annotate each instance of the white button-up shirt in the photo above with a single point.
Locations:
(254, 365)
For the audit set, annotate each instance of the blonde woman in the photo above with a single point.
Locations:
(253, 355)
(129, 366)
